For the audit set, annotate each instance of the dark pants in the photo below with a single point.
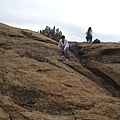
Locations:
(62, 51)
(89, 38)
(65, 53)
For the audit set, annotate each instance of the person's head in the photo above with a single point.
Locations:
(63, 37)
(89, 28)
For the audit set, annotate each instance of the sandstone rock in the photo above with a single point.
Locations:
(36, 83)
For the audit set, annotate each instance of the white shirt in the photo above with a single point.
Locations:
(63, 44)
(91, 33)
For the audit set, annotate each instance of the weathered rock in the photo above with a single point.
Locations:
(36, 83)
(103, 61)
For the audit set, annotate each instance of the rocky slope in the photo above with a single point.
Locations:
(37, 84)
(103, 60)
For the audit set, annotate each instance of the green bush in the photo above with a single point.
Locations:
(52, 33)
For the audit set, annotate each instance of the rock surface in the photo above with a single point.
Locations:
(37, 84)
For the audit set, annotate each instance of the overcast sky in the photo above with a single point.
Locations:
(72, 17)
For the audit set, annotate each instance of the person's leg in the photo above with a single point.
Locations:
(66, 54)
(62, 51)
(90, 38)
(87, 38)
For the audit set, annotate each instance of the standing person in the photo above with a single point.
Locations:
(64, 46)
(89, 34)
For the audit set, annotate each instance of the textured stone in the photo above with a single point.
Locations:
(37, 84)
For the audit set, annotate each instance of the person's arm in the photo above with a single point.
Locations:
(66, 44)
(59, 44)
(91, 33)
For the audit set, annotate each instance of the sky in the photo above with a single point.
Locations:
(72, 17)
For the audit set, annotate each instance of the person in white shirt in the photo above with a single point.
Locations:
(89, 34)
(64, 46)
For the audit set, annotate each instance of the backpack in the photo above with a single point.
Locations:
(96, 41)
